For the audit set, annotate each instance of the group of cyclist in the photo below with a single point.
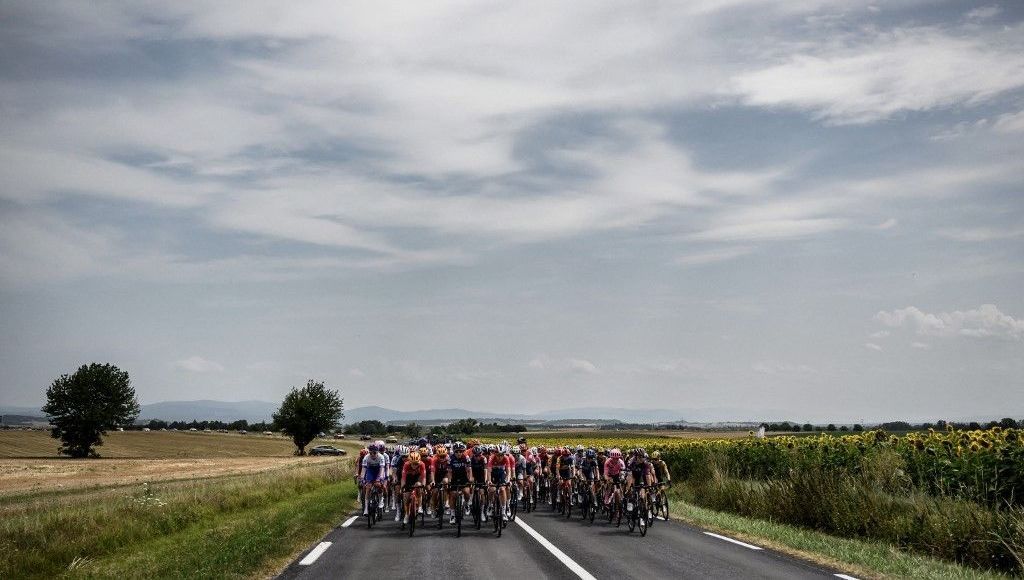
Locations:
(440, 471)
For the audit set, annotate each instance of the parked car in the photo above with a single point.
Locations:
(326, 450)
(391, 439)
(364, 437)
(339, 435)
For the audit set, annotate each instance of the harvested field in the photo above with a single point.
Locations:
(156, 445)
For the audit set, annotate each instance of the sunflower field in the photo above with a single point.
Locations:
(950, 494)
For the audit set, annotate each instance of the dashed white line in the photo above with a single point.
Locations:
(846, 577)
(349, 521)
(737, 542)
(314, 553)
(569, 562)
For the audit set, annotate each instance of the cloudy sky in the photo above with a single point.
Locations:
(806, 206)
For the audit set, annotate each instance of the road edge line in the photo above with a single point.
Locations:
(349, 521)
(846, 577)
(569, 562)
(314, 553)
(737, 542)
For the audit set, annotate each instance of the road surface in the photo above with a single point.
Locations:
(541, 545)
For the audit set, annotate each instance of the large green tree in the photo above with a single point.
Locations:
(307, 411)
(83, 406)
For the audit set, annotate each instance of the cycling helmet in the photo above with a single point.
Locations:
(565, 451)
(405, 451)
(521, 440)
(414, 458)
(641, 451)
(591, 454)
(579, 448)
(379, 444)
(422, 442)
(656, 455)
(522, 446)
(503, 448)
(441, 451)
(424, 451)
(615, 454)
(478, 450)
(533, 451)
(543, 449)
(474, 442)
(459, 447)
(517, 451)
(363, 451)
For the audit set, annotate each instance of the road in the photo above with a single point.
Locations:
(541, 545)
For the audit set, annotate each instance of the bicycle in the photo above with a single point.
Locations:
(477, 506)
(615, 505)
(661, 507)
(497, 510)
(374, 511)
(638, 516)
(415, 500)
(588, 501)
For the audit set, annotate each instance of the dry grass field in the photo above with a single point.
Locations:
(29, 462)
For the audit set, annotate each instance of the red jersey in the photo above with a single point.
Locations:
(418, 471)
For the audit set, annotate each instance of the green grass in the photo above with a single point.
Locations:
(196, 529)
(861, 558)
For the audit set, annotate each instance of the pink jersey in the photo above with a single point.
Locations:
(613, 467)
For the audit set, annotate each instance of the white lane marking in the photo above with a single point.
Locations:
(569, 562)
(737, 542)
(314, 553)
(349, 521)
(845, 577)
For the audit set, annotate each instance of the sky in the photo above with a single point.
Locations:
(803, 208)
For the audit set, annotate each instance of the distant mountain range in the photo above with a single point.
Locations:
(254, 411)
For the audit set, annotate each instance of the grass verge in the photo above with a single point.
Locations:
(861, 558)
(198, 529)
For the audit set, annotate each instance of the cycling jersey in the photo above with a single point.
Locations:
(478, 464)
(412, 475)
(564, 466)
(438, 468)
(589, 469)
(374, 468)
(520, 464)
(614, 467)
(660, 470)
(639, 470)
(457, 466)
(500, 466)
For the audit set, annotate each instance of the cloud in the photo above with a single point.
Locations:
(714, 256)
(1009, 123)
(769, 367)
(881, 75)
(564, 365)
(920, 345)
(985, 321)
(198, 364)
(873, 346)
(879, 334)
(982, 234)
(356, 373)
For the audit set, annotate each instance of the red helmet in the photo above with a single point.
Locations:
(565, 451)
(543, 450)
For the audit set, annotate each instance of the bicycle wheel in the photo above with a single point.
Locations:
(371, 510)
(497, 514)
(459, 506)
(664, 506)
(514, 509)
(412, 521)
(631, 513)
(641, 520)
(441, 495)
(477, 509)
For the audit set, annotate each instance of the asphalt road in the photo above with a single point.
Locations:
(670, 550)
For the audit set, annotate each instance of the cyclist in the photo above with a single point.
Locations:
(588, 472)
(565, 468)
(374, 472)
(531, 468)
(401, 456)
(414, 473)
(519, 462)
(613, 469)
(661, 472)
(459, 475)
(359, 471)
(640, 473)
(499, 466)
(478, 469)
(438, 470)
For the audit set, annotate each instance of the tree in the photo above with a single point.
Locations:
(1008, 423)
(831, 427)
(858, 427)
(808, 427)
(308, 411)
(412, 430)
(83, 406)
(464, 426)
